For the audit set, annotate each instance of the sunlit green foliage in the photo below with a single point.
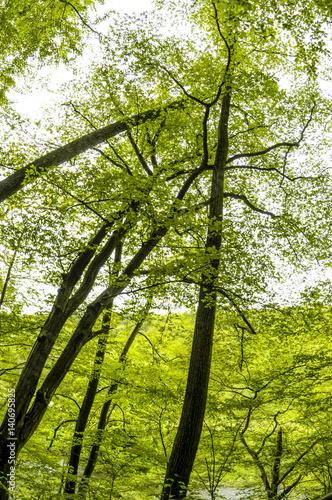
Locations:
(150, 185)
(281, 373)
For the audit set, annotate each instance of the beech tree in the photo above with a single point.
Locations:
(209, 175)
(29, 30)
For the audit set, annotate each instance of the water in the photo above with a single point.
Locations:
(226, 493)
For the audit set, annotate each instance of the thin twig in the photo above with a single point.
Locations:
(81, 18)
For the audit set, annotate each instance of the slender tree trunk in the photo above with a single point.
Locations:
(91, 391)
(86, 407)
(80, 337)
(9, 271)
(64, 306)
(94, 452)
(276, 465)
(189, 431)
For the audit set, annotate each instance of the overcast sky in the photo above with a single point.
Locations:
(32, 102)
(129, 5)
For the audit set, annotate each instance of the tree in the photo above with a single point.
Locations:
(212, 103)
(31, 31)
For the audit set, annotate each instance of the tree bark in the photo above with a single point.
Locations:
(276, 465)
(63, 307)
(189, 431)
(91, 391)
(326, 497)
(82, 334)
(30, 420)
(93, 456)
(40, 166)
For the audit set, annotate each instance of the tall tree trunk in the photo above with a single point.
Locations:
(63, 307)
(276, 465)
(189, 431)
(91, 391)
(94, 452)
(86, 407)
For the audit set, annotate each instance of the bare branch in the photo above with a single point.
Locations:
(268, 435)
(63, 154)
(161, 434)
(257, 461)
(228, 57)
(246, 131)
(109, 144)
(291, 486)
(9, 270)
(68, 397)
(193, 98)
(57, 428)
(5, 370)
(263, 151)
(279, 144)
(299, 458)
(250, 205)
(154, 350)
(269, 169)
(139, 154)
(78, 199)
(81, 18)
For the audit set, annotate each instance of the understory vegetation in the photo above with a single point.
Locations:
(265, 421)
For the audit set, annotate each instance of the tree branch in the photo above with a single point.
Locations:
(63, 154)
(138, 153)
(279, 144)
(299, 458)
(9, 270)
(263, 151)
(193, 98)
(268, 169)
(215, 100)
(82, 202)
(290, 487)
(250, 205)
(57, 428)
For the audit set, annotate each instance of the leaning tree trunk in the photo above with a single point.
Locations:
(189, 431)
(104, 414)
(86, 407)
(63, 154)
(89, 398)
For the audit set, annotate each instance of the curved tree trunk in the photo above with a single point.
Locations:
(84, 413)
(189, 431)
(94, 452)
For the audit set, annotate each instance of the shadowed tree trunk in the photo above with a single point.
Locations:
(29, 417)
(189, 431)
(104, 414)
(91, 391)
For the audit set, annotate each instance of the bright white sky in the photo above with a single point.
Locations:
(31, 103)
(129, 5)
